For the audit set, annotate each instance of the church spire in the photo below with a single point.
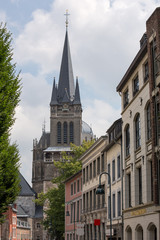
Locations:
(77, 99)
(66, 80)
(54, 94)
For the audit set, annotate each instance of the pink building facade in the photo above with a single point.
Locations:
(73, 206)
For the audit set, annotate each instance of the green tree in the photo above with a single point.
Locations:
(55, 197)
(9, 98)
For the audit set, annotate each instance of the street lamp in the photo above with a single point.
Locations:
(67, 215)
(101, 191)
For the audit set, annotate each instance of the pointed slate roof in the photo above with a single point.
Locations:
(54, 94)
(66, 80)
(25, 189)
(77, 99)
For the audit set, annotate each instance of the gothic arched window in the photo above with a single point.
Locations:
(65, 132)
(71, 132)
(58, 132)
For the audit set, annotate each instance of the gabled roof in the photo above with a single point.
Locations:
(25, 188)
(66, 80)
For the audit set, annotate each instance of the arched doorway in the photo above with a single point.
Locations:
(128, 233)
(152, 231)
(139, 232)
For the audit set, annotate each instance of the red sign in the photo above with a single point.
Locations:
(97, 222)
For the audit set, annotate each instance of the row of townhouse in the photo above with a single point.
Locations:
(126, 160)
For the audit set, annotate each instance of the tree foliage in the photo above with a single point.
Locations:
(9, 98)
(68, 165)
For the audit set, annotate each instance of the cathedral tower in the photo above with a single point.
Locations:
(65, 105)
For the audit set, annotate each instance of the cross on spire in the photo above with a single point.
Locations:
(66, 14)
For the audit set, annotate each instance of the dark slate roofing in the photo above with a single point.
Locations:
(66, 80)
(38, 211)
(21, 212)
(77, 99)
(25, 188)
(44, 141)
(54, 94)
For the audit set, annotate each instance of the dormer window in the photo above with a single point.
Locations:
(135, 85)
(125, 98)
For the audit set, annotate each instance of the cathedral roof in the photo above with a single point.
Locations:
(25, 188)
(66, 80)
(86, 128)
(77, 99)
(66, 92)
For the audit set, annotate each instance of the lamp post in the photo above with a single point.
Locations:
(67, 215)
(101, 191)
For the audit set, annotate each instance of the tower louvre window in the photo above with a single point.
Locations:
(58, 132)
(71, 130)
(65, 132)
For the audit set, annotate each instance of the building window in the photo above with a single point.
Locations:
(102, 160)
(58, 132)
(67, 236)
(118, 167)
(137, 131)
(83, 175)
(103, 197)
(77, 211)
(74, 187)
(113, 170)
(87, 174)
(78, 185)
(129, 189)
(90, 171)
(125, 98)
(90, 200)
(94, 199)
(65, 132)
(38, 238)
(146, 72)
(81, 184)
(109, 171)
(84, 205)
(109, 206)
(114, 206)
(38, 225)
(140, 184)
(71, 132)
(87, 201)
(135, 85)
(71, 189)
(148, 112)
(119, 203)
(98, 165)
(127, 139)
(94, 168)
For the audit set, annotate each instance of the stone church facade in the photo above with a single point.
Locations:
(66, 126)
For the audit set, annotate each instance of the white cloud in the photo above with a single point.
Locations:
(104, 39)
(3, 16)
(100, 115)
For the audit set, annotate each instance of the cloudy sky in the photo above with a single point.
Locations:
(104, 38)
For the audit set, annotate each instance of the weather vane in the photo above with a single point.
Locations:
(66, 14)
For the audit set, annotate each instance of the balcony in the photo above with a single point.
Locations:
(23, 224)
(94, 208)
